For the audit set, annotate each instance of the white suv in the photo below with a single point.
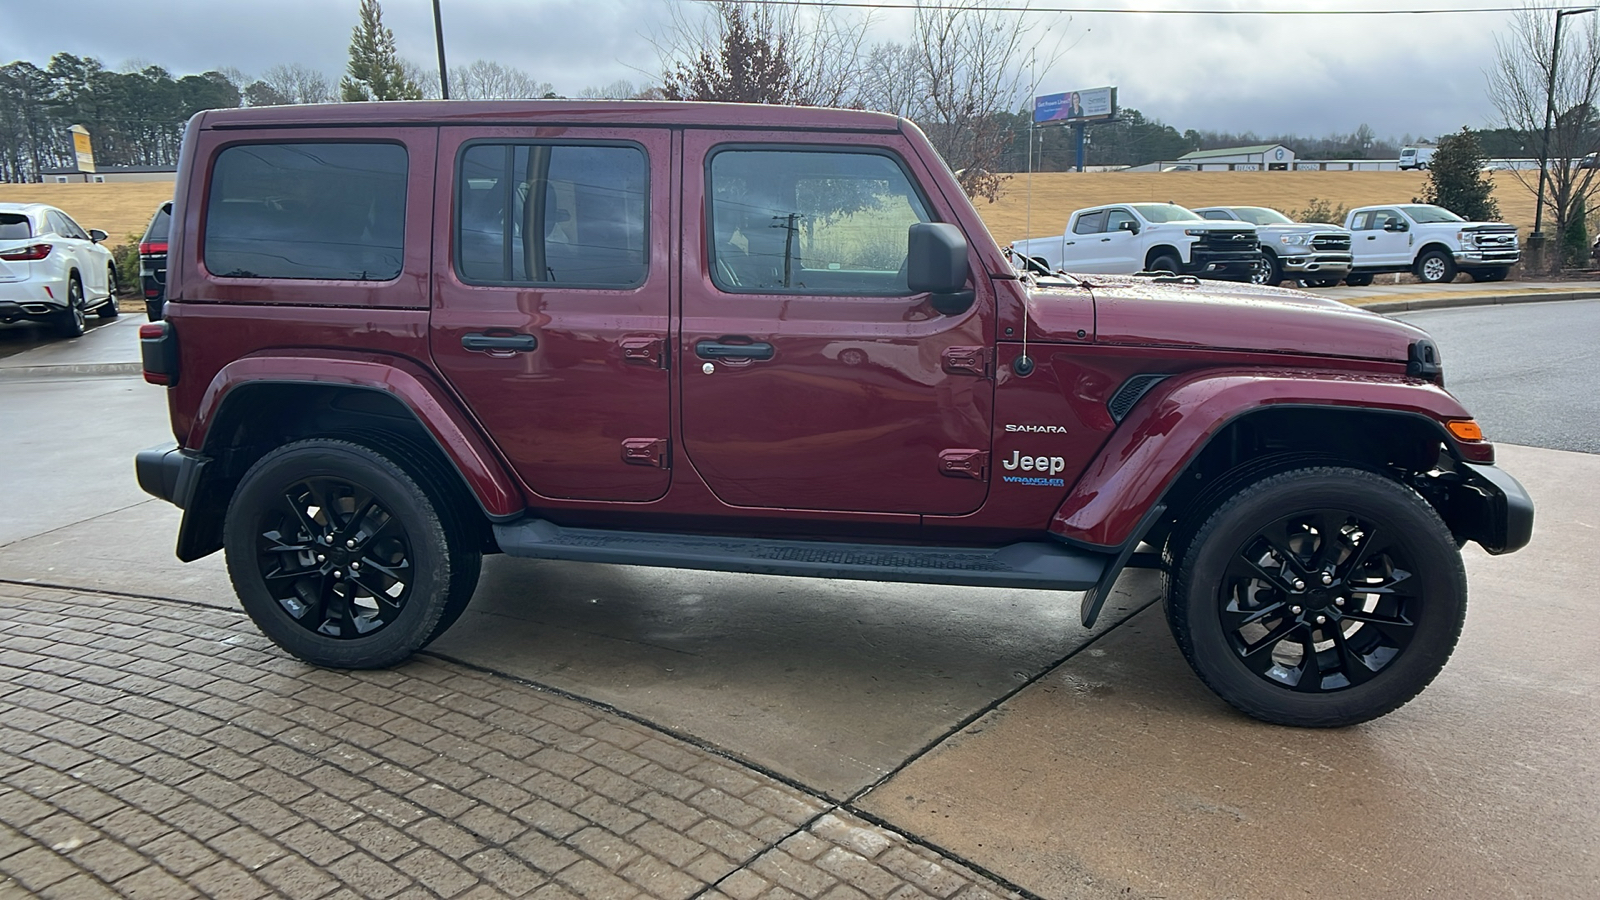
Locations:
(51, 270)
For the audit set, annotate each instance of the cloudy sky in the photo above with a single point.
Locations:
(1420, 75)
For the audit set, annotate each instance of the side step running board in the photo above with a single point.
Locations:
(1028, 564)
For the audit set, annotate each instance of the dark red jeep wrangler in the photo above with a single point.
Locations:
(775, 340)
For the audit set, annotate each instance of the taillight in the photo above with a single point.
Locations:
(152, 247)
(30, 253)
(158, 353)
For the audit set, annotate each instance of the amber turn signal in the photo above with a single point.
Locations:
(1465, 429)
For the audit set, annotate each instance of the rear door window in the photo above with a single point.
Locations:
(307, 210)
(1090, 223)
(543, 213)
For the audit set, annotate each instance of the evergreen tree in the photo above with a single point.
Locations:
(1575, 237)
(374, 72)
(1456, 180)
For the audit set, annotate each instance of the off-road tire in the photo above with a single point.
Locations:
(443, 566)
(1166, 262)
(1389, 524)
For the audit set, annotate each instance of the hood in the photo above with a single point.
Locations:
(1141, 312)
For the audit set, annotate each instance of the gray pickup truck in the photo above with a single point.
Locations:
(1317, 254)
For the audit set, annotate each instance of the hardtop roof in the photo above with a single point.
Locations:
(541, 112)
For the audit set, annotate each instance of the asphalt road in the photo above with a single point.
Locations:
(1530, 372)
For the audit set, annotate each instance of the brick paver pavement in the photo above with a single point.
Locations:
(152, 749)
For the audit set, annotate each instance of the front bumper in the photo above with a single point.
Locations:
(1494, 508)
(1466, 258)
(1233, 265)
(1320, 264)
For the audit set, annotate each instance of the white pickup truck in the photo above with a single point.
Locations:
(1128, 238)
(1431, 242)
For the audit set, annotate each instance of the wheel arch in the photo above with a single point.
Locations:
(1431, 246)
(1160, 250)
(243, 418)
(1187, 435)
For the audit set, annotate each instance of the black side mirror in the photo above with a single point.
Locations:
(96, 235)
(1395, 225)
(936, 263)
(1128, 226)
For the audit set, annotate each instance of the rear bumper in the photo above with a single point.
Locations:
(169, 473)
(35, 310)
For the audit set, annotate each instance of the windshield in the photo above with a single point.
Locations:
(1431, 215)
(1165, 212)
(1260, 215)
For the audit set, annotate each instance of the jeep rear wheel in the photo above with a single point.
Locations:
(1436, 267)
(342, 558)
(1319, 597)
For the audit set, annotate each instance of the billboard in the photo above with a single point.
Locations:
(1094, 104)
(82, 148)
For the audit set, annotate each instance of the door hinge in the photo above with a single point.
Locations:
(649, 351)
(960, 463)
(645, 452)
(966, 361)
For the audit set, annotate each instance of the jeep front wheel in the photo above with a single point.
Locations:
(1318, 597)
(341, 558)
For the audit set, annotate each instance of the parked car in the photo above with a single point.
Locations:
(1317, 254)
(153, 260)
(51, 270)
(400, 336)
(1429, 241)
(1127, 238)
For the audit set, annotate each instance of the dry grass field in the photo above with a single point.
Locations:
(123, 209)
(117, 209)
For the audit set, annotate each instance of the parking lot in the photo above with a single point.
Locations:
(617, 731)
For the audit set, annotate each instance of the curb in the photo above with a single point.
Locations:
(83, 370)
(1387, 306)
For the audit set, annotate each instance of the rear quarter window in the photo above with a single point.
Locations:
(15, 227)
(331, 211)
(160, 226)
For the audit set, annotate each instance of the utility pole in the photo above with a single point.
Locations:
(1536, 238)
(438, 37)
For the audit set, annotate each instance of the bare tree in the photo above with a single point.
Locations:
(487, 80)
(892, 80)
(298, 84)
(971, 77)
(1525, 70)
(621, 89)
(759, 53)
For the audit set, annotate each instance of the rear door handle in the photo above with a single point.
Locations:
(720, 350)
(521, 343)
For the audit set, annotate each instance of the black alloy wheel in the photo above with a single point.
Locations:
(342, 558)
(1318, 597)
(1265, 270)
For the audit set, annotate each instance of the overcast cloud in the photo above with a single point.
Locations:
(1421, 75)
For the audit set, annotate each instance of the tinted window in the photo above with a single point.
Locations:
(543, 213)
(1090, 223)
(160, 225)
(1120, 220)
(1218, 214)
(15, 227)
(811, 221)
(333, 211)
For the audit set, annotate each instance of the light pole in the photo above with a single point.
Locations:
(444, 74)
(1536, 238)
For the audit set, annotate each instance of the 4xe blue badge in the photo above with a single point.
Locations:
(1046, 465)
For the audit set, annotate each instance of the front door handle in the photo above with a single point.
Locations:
(720, 350)
(520, 343)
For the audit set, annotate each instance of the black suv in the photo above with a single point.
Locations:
(153, 261)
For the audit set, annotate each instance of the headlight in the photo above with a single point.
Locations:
(1467, 238)
(1296, 240)
(1197, 232)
